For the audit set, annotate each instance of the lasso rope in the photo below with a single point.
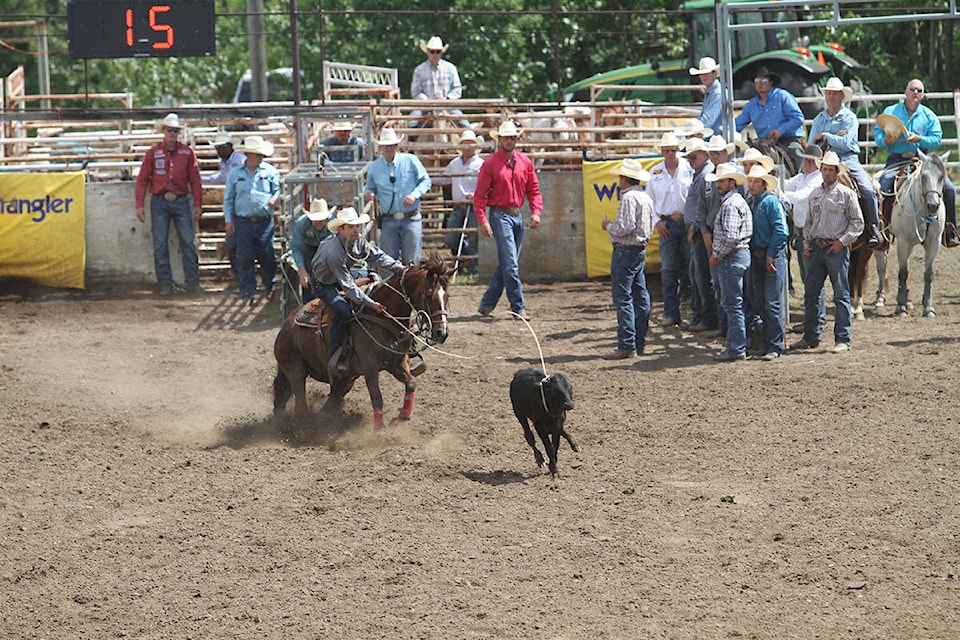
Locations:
(543, 397)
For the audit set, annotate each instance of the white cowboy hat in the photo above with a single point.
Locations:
(469, 136)
(256, 144)
(668, 139)
(171, 120)
(756, 171)
(707, 65)
(754, 155)
(836, 84)
(830, 158)
(726, 170)
(389, 137)
(718, 143)
(318, 210)
(632, 169)
(222, 139)
(433, 44)
(693, 129)
(891, 125)
(693, 145)
(813, 152)
(507, 129)
(343, 125)
(738, 141)
(347, 215)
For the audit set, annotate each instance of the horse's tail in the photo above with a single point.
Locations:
(281, 391)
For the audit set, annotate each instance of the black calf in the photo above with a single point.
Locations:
(544, 400)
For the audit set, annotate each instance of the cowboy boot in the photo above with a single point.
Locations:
(334, 367)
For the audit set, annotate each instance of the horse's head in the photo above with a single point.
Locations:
(932, 179)
(424, 286)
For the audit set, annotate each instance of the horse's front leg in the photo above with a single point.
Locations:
(903, 291)
(402, 373)
(880, 255)
(371, 375)
(933, 247)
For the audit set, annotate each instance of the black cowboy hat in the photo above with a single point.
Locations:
(763, 72)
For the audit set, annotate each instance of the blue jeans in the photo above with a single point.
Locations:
(702, 299)
(630, 297)
(255, 243)
(402, 239)
(718, 298)
(802, 262)
(508, 234)
(949, 189)
(730, 270)
(765, 291)
(821, 265)
(330, 293)
(674, 256)
(162, 213)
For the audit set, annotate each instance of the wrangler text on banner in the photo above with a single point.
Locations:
(42, 227)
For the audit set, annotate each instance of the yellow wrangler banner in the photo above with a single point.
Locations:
(42, 227)
(601, 196)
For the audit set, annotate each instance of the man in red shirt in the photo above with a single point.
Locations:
(506, 178)
(170, 173)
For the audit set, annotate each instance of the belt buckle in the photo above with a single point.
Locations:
(169, 196)
(399, 215)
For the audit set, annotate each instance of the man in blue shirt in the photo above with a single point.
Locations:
(915, 128)
(348, 147)
(711, 114)
(774, 113)
(398, 181)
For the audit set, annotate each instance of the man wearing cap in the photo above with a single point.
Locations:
(833, 224)
(398, 181)
(703, 301)
(774, 113)
(796, 198)
(711, 114)
(436, 79)
(837, 127)
(229, 159)
(336, 267)
(170, 172)
(768, 265)
(731, 255)
(461, 173)
(506, 178)
(669, 183)
(306, 234)
(342, 146)
(904, 129)
(249, 200)
(629, 233)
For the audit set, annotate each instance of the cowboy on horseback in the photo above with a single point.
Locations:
(339, 263)
(774, 113)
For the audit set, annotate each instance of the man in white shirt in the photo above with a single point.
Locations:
(462, 172)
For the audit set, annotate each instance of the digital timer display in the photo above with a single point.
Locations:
(135, 29)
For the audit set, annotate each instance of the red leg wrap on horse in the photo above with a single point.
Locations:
(407, 410)
(378, 419)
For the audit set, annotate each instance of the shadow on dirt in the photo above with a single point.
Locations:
(321, 428)
(496, 478)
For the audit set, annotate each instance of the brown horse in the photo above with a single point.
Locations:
(416, 300)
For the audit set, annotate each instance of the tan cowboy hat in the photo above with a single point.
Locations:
(756, 171)
(891, 124)
(717, 143)
(812, 152)
(318, 210)
(223, 139)
(668, 139)
(469, 136)
(726, 170)
(389, 137)
(632, 169)
(693, 145)
(256, 144)
(830, 158)
(836, 84)
(343, 125)
(171, 120)
(347, 215)
(693, 129)
(707, 65)
(507, 129)
(738, 141)
(754, 155)
(433, 44)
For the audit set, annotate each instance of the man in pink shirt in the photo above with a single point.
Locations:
(506, 178)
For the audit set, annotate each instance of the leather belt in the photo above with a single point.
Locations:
(676, 217)
(510, 211)
(629, 246)
(400, 215)
(821, 242)
(254, 218)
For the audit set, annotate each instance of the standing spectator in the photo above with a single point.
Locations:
(904, 129)
(398, 181)
(230, 159)
(506, 178)
(462, 172)
(834, 222)
(711, 114)
(702, 300)
(307, 233)
(719, 152)
(796, 195)
(731, 255)
(251, 197)
(349, 147)
(669, 182)
(774, 113)
(630, 232)
(436, 79)
(768, 265)
(169, 171)
(837, 127)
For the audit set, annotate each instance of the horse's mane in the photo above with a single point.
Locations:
(432, 263)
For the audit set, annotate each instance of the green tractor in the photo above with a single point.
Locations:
(800, 65)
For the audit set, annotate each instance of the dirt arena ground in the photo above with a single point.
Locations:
(145, 492)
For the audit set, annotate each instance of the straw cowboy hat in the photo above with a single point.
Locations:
(318, 210)
(756, 171)
(389, 137)
(836, 84)
(693, 145)
(632, 169)
(469, 136)
(813, 152)
(693, 129)
(717, 143)
(507, 129)
(256, 144)
(707, 65)
(739, 142)
(433, 44)
(170, 121)
(343, 125)
(668, 139)
(724, 171)
(830, 158)
(754, 155)
(347, 215)
(891, 125)
(222, 139)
